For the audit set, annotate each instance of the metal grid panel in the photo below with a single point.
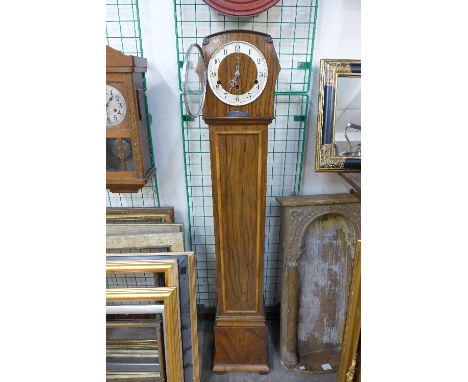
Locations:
(123, 33)
(291, 23)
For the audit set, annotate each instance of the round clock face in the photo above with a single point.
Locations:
(116, 107)
(237, 73)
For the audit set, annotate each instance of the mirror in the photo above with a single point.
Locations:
(339, 116)
(347, 131)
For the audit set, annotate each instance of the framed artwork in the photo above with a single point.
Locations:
(338, 145)
(168, 300)
(187, 298)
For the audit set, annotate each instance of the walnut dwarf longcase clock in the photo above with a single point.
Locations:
(128, 158)
(242, 68)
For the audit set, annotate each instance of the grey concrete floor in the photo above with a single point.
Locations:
(277, 374)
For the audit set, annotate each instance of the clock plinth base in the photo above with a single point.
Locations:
(241, 348)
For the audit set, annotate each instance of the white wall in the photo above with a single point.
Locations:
(338, 35)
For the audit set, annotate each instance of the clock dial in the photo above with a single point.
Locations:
(237, 73)
(116, 107)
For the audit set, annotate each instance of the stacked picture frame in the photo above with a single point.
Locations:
(137, 246)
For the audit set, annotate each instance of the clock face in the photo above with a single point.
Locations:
(237, 73)
(116, 107)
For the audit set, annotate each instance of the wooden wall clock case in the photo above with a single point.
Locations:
(128, 162)
(238, 151)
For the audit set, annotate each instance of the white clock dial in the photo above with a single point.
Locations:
(230, 86)
(116, 107)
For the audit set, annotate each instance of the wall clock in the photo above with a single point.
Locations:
(238, 107)
(128, 158)
(241, 7)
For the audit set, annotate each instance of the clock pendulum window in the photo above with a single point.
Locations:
(128, 157)
(238, 106)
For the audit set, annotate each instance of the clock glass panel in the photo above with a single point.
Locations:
(237, 73)
(116, 107)
(194, 77)
(119, 154)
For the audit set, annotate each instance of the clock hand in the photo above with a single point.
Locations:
(233, 82)
(110, 99)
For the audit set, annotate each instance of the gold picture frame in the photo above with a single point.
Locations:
(187, 260)
(350, 357)
(326, 158)
(166, 267)
(138, 349)
(169, 298)
(137, 215)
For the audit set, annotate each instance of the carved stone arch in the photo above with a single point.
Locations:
(298, 213)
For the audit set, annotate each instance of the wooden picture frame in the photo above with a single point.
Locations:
(169, 298)
(173, 242)
(137, 215)
(350, 357)
(188, 303)
(167, 267)
(326, 156)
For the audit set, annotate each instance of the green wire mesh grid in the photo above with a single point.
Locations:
(291, 23)
(123, 33)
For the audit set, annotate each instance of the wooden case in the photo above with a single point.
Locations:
(128, 171)
(238, 150)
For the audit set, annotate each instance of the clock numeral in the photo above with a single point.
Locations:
(237, 99)
(117, 98)
(261, 74)
(115, 118)
(213, 74)
(249, 52)
(237, 48)
(216, 61)
(225, 52)
(120, 104)
(259, 60)
(217, 86)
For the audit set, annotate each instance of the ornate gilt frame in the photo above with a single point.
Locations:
(349, 349)
(325, 158)
(168, 296)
